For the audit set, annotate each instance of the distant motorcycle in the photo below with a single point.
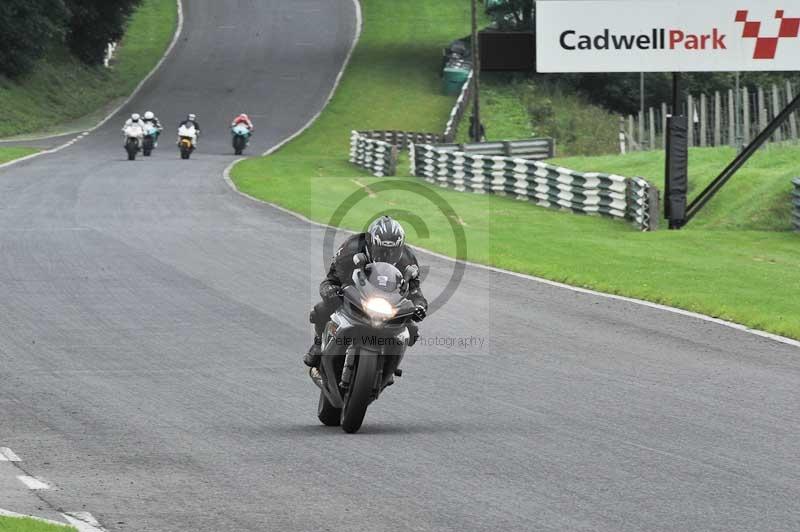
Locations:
(149, 141)
(241, 138)
(187, 139)
(363, 343)
(133, 140)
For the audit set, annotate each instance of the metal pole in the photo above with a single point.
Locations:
(476, 74)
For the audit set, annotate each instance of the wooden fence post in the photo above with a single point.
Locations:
(717, 119)
(732, 117)
(703, 120)
(631, 136)
(622, 147)
(793, 116)
(690, 114)
(762, 110)
(746, 113)
(776, 110)
(652, 129)
(641, 132)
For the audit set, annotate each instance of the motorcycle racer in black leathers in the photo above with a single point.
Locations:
(384, 241)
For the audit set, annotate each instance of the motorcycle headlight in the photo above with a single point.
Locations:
(379, 308)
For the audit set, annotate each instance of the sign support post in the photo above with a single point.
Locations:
(677, 36)
(477, 127)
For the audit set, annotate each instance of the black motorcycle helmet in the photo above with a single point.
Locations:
(385, 240)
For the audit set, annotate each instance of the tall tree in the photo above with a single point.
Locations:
(27, 28)
(94, 24)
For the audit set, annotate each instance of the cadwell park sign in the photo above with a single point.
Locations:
(667, 35)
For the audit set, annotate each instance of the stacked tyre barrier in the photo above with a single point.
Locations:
(458, 112)
(377, 156)
(644, 203)
(796, 204)
(546, 185)
(377, 151)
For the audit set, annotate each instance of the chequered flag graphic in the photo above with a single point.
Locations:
(767, 47)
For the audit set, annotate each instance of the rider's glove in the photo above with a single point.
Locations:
(419, 313)
(329, 293)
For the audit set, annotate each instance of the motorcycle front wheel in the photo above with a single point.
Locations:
(360, 393)
(238, 145)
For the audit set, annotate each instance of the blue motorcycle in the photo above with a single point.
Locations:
(241, 138)
(150, 139)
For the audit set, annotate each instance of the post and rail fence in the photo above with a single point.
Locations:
(713, 119)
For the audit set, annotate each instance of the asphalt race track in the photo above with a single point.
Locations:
(152, 323)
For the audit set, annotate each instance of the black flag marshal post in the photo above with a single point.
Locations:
(673, 36)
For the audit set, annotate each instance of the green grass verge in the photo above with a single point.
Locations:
(9, 154)
(14, 524)
(756, 198)
(516, 108)
(62, 89)
(745, 276)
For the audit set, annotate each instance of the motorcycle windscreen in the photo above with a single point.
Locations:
(384, 276)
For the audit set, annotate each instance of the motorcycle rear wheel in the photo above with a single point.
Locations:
(360, 393)
(327, 413)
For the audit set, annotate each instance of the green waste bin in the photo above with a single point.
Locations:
(454, 79)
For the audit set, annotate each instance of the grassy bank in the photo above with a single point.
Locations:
(14, 524)
(748, 276)
(62, 89)
(514, 108)
(756, 198)
(9, 154)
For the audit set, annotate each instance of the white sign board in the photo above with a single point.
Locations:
(667, 35)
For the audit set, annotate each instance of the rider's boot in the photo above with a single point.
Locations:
(314, 355)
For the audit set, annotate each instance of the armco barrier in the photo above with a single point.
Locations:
(457, 114)
(538, 149)
(549, 186)
(796, 204)
(401, 139)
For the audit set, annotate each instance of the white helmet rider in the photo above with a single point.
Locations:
(135, 117)
(149, 115)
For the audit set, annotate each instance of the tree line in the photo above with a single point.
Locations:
(28, 28)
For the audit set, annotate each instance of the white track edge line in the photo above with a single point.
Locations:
(175, 38)
(541, 280)
(7, 455)
(83, 521)
(33, 483)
